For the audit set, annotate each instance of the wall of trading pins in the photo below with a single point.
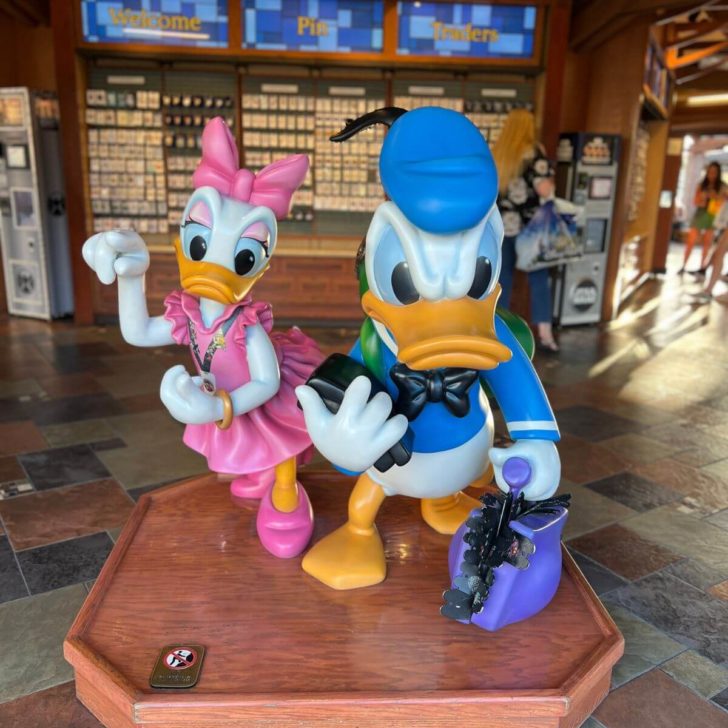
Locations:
(144, 129)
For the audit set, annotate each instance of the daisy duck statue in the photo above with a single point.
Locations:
(240, 407)
(412, 416)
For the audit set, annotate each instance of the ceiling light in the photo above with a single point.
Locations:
(707, 100)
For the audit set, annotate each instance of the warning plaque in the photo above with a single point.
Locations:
(178, 666)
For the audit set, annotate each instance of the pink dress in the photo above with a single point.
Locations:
(271, 433)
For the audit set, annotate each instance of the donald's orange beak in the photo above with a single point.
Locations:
(429, 335)
(213, 281)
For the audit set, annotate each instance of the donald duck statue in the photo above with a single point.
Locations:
(432, 342)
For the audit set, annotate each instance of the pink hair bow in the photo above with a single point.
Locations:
(272, 187)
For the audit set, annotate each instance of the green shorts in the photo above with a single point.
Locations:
(702, 219)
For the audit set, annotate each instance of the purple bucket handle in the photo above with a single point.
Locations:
(517, 474)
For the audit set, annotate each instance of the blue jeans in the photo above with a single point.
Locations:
(538, 284)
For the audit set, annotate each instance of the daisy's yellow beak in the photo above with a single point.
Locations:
(459, 333)
(213, 281)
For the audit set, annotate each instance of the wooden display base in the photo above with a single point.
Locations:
(284, 650)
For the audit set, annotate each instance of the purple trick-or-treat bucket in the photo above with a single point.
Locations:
(505, 560)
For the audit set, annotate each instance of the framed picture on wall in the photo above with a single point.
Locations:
(23, 208)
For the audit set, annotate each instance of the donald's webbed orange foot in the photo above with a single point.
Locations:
(348, 558)
(446, 515)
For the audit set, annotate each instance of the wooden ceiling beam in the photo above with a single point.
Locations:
(594, 17)
(684, 78)
(695, 8)
(27, 12)
(702, 31)
(597, 22)
(7, 7)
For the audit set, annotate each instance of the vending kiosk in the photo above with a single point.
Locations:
(33, 227)
(586, 174)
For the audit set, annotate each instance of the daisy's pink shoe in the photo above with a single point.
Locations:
(285, 534)
(253, 485)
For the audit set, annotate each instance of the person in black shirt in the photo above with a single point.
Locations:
(525, 179)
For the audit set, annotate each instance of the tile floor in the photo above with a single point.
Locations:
(643, 408)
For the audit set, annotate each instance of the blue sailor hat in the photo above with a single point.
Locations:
(436, 167)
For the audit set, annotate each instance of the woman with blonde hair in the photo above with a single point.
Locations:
(525, 179)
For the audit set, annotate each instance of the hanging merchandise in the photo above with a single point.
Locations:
(550, 238)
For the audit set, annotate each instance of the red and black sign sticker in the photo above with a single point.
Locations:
(178, 666)
(180, 658)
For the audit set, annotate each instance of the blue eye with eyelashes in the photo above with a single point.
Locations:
(391, 271)
(487, 263)
(195, 239)
(249, 256)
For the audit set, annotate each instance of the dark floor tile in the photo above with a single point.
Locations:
(600, 579)
(113, 443)
(71, 409)
(10, 470)
(701, 490)
(623, 551)
(53, 707)
(644, 646)
(14, 409)
(634, 491)
(139, 403)
(70, 385)
(12, 585)
(721, 699)
(697, 574)
(583, 462)
(681, 611)
(65, 563)
(79, 358)
(59, 514)
(63, 466)
(137, 493)
(594, 424)
(35, 369)
(657, 701)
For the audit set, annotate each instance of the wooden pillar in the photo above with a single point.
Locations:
(614, 106)
(557, 37)
(665, 215)
(71, 102)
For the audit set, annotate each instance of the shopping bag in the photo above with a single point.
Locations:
(551, 236)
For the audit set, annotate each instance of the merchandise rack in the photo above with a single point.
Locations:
(280, 111)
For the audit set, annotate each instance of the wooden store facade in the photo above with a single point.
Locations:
(136, 86)
(136, 82)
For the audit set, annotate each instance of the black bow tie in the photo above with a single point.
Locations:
(449, 386)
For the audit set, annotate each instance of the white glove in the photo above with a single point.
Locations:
(359, 433)
(542, 456)
(116, 253)
(186, 401)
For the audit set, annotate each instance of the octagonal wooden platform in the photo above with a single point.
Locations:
(284, 650)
